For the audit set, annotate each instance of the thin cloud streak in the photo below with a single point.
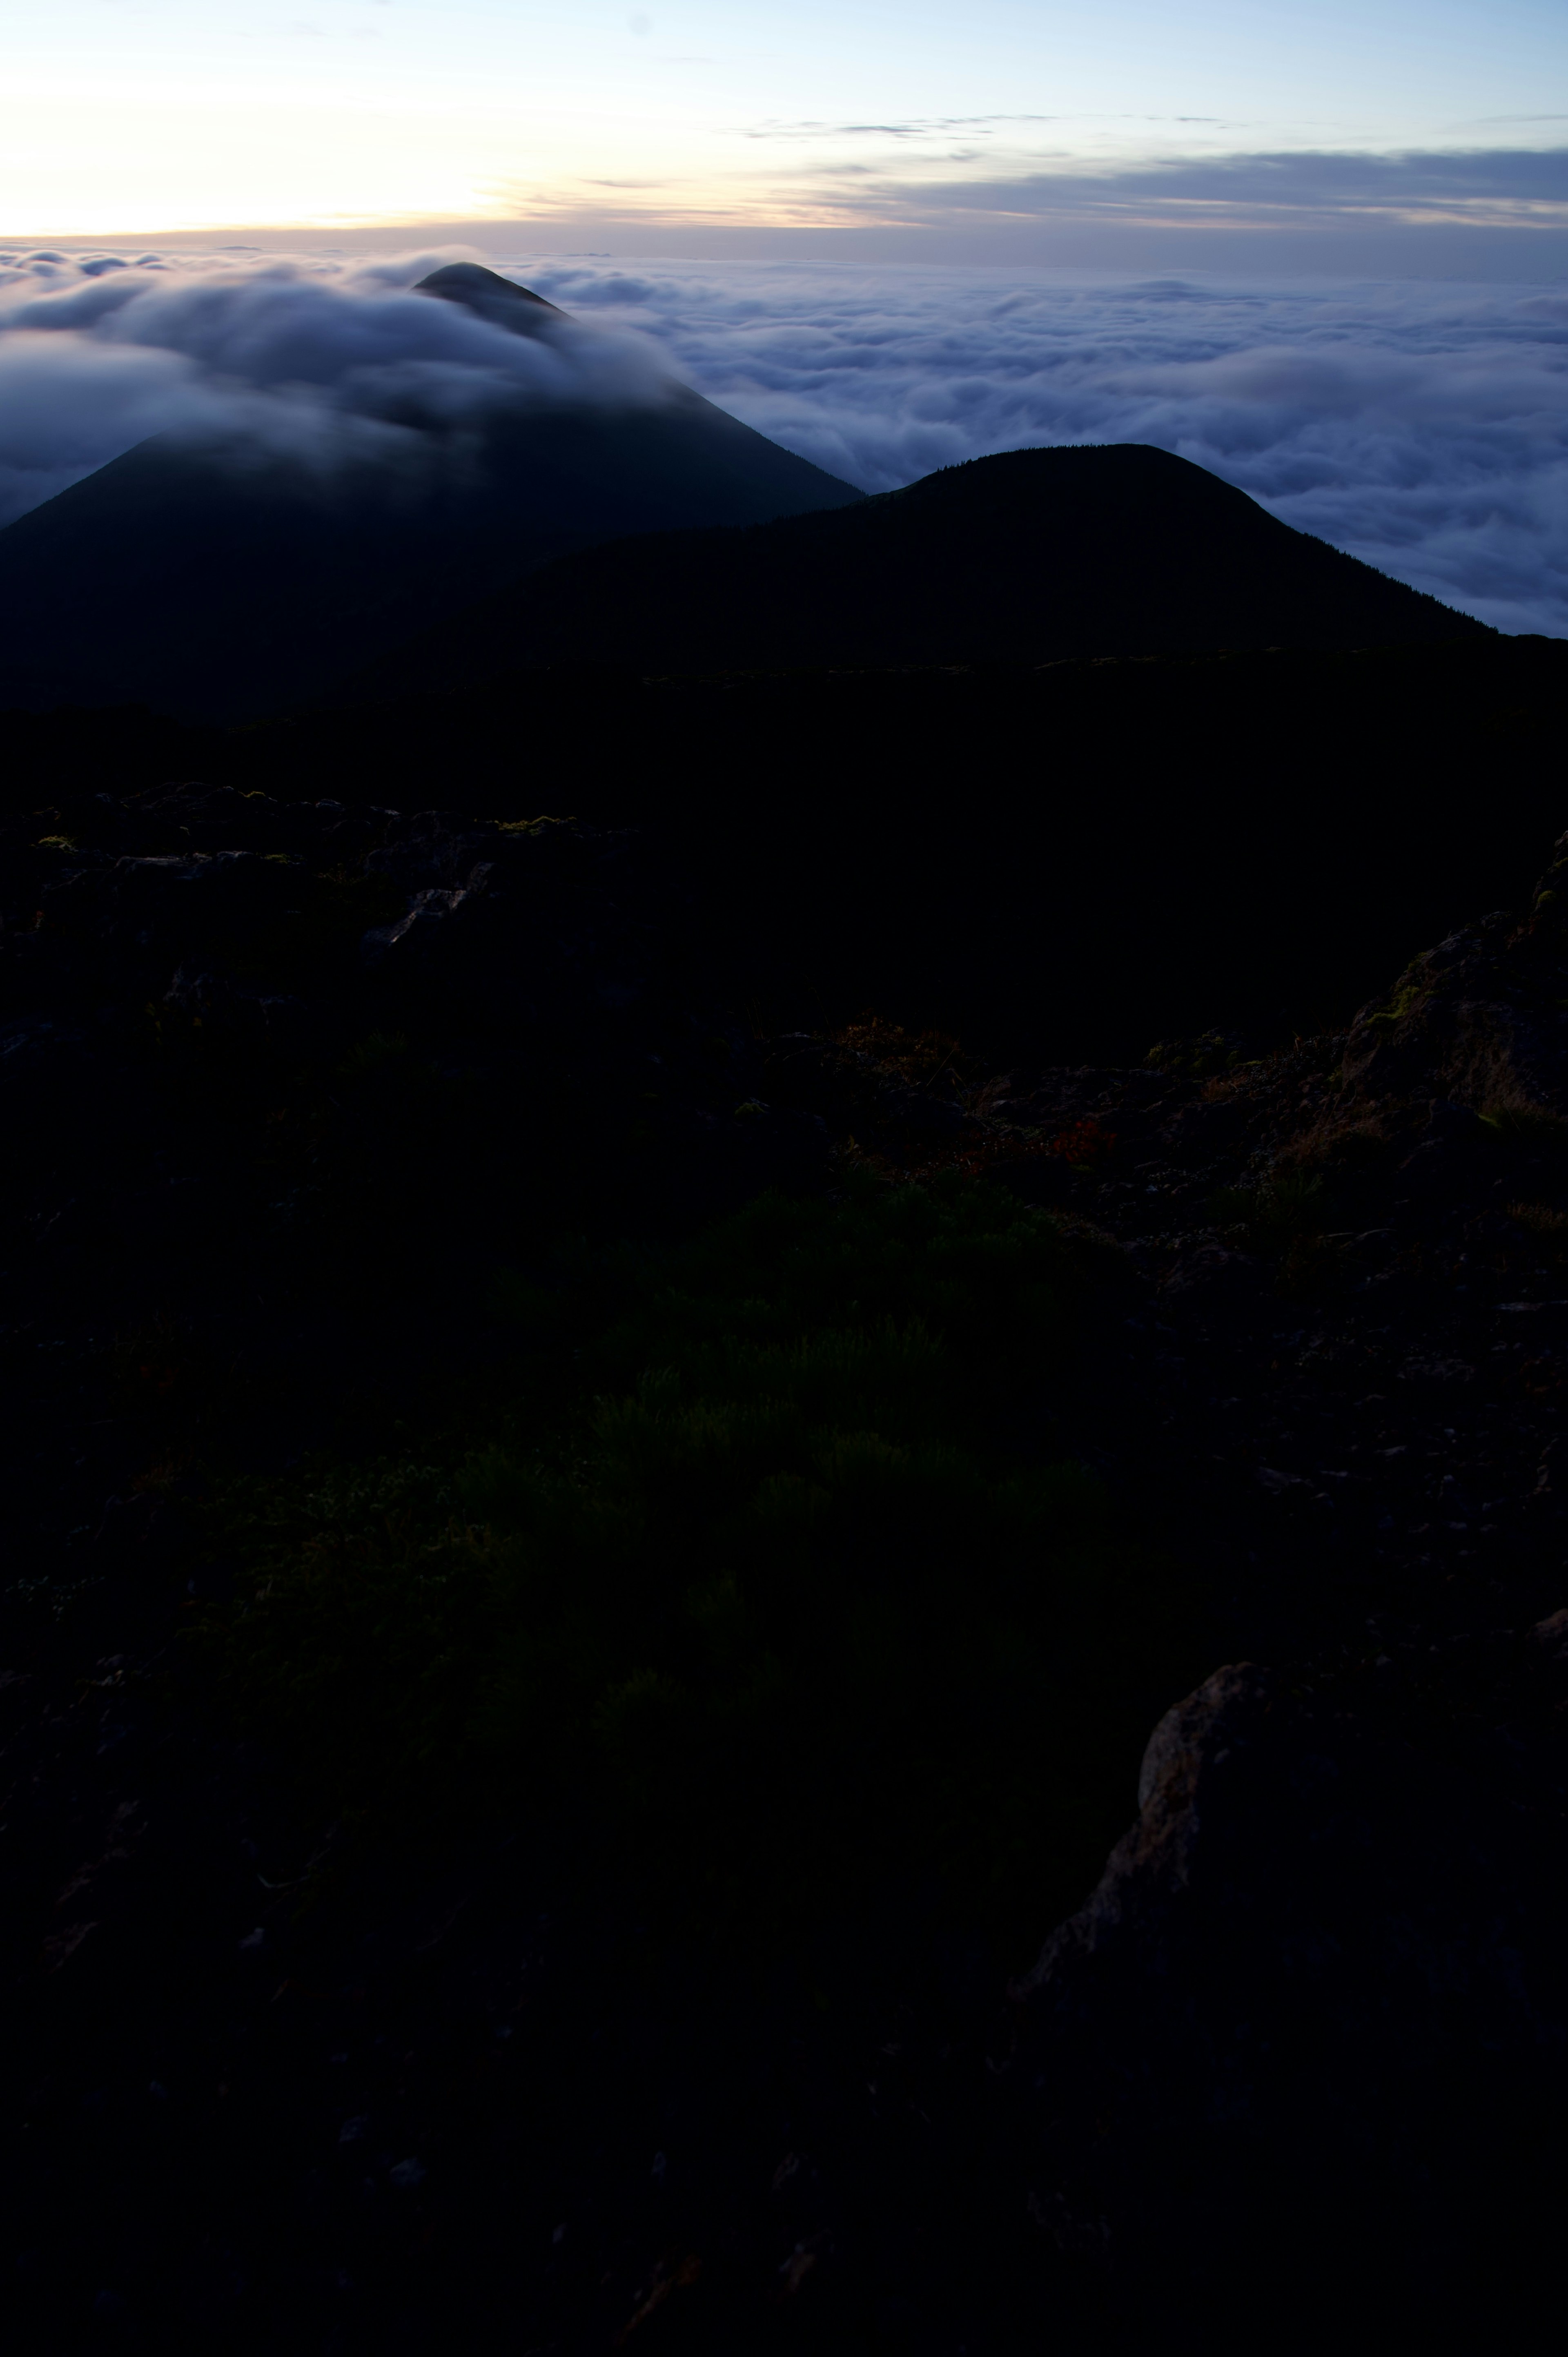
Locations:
(908, 176)
(1505, 187)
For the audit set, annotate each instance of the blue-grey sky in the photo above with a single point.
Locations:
(1038, 130)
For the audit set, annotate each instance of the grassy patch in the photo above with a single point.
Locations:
(1546, 1225)
(1512, 1115)
(1285, 1205)
(915, 1057)
(1199, 1059)
(1407, 993)
(762, 1576)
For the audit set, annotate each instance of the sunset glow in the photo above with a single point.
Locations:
(168, 116)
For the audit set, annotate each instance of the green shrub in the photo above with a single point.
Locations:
(374, 1053)
(1406, 995)
(779, 1596)
(1200, 1058)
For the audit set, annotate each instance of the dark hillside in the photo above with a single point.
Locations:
(225, 580)
(781, 1495)
(1072, 861)
(1032, 556)
(586, 1577)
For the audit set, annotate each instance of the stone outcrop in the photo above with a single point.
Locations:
(1312, 2025)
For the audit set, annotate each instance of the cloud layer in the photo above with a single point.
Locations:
(1422, 427)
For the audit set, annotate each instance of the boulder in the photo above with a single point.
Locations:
(1311, 2027)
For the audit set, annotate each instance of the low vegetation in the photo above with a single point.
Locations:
(1284, 1204)
(771, 1575)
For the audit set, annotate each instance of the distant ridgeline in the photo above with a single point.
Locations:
(1033, 557)
(224, 579)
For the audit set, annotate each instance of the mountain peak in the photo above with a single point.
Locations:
(500, 301)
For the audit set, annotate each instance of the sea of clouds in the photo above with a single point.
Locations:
(1422, 425)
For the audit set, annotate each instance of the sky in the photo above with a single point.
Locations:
(1000, 130)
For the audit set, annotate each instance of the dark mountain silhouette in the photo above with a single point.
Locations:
(1072, 860)
(222, 579)
(1034, 556)
(500, 300)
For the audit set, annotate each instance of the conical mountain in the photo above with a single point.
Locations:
(1031, 556)
(502, 301)
(225, 580)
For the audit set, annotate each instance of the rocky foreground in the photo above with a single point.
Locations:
(277, 1077)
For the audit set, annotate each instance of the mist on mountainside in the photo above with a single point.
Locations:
(320, 365)
(246, 567)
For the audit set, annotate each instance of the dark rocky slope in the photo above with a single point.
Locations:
(1033, 557)
(220, 579)
(279, 1080)
(1067, 861)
